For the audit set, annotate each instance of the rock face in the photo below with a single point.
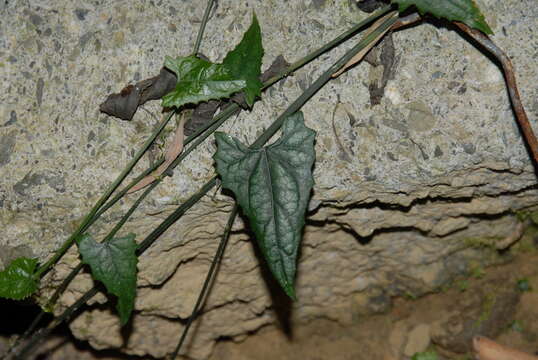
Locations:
(413, 187)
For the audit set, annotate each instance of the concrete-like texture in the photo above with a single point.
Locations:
(405, 190)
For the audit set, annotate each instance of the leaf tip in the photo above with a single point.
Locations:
(219, 137)
(290, 291)
(486, 29)
(254, 17)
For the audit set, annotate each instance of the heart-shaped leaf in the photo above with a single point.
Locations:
(17, 281)
(114, 264)
(272, 186)
(199, 80)
(465, 11)
(245, 61)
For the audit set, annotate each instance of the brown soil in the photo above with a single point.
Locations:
(489, 302)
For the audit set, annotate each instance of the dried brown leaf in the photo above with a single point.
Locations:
(486, 349)
(172, 152)
(364, 51)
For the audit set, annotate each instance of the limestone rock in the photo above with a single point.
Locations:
(418, 340)
(408, 193)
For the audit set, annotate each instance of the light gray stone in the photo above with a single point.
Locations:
(438, 162)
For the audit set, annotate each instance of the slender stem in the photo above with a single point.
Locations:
(208, 279)
(123, 191)
(66, 315)
(208, 8)
(128, 214)
(326, 76)
(337, 40)
(76, 270)
(210, 127)
(511, 85)
(172, 218)
(90, 216)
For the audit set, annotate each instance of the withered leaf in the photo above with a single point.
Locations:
(124, 104)
(202, 114)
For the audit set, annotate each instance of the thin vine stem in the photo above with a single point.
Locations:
(123, 191)
(65, 283)
(202, 296)
(89, 218)
(208, 8)
(171, 219)
(165, 224)
(322, 80)
(511, 85)
(66, 315)
(336, 41)
(128, 214)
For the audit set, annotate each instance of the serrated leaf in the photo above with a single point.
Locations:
(465, 11)
(199, 80)
(272, 186)
(114, 264)
(17, 281)
(245, 61)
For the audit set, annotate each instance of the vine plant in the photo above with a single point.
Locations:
(272, 184)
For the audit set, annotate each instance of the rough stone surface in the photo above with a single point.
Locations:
(418, 341)
(409, 193)
(487, 312)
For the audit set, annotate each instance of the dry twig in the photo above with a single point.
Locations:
(510, 78)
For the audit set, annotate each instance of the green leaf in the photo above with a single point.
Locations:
(17, 281)
(427, 355)
(272, 186)
(245, 61)
(465, 11)
(199, 80)
(524, 285)
(114, 264)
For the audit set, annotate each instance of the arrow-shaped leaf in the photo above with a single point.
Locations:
(465, 11)
(272, 186)
(199, 80)
(114, 264)
(17, 281)
(245, 61)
